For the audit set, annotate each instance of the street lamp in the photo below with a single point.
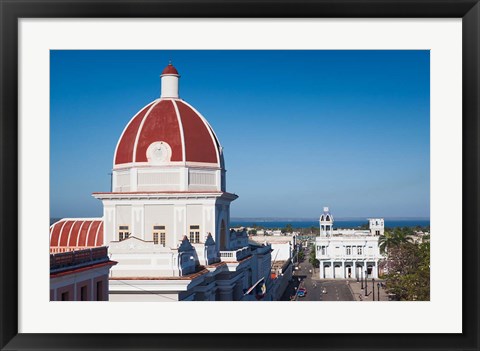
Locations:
(366, 287)
(356, 272)
(373, 289)
(378, 291)
(362, 277)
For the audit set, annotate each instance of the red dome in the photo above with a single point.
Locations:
(170, 70)
(174, 122)
(76, 233)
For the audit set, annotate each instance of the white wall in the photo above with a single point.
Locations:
(281, 251)
(174, 178)
(160, 215)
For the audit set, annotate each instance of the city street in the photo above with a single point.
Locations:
(327, 290)
(317, 290)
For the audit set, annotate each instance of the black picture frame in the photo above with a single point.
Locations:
(12, 11)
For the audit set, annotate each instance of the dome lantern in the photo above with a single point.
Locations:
(169, 82)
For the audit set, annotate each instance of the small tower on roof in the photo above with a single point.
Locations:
(376, 226)
(169, 82)
(326, 223)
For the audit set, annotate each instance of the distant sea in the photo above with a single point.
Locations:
(339, 223)
(346, 223)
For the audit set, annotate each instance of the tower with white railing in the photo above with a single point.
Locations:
(326, 223)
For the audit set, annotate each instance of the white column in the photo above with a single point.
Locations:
(184, 179)
(321, 270)
(138, 221)
(133, 179)
(114, 181)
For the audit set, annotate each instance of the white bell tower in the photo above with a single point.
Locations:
(377, 226)
(326, 223)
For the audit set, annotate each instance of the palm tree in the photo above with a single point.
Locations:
(386, 240)
(313, 259)
(392, 239)
(401, 237)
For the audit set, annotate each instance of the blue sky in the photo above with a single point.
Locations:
(300, 129)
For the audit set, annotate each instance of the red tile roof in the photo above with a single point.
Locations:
(174, 122)
(76, 233)
(170, 70)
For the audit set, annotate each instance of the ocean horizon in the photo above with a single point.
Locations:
(345, 222)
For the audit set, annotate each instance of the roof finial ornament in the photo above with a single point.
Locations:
(170, 62)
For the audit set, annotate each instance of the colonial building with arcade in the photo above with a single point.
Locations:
(166, 219)
(348, 253)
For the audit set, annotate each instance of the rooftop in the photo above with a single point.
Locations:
(79, 260)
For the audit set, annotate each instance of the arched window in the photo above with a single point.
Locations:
(223, 235)
(328, 218)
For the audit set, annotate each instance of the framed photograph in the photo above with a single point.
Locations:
(347, 217)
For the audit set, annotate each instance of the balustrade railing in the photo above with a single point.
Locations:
(348, 257)
(72, 258)
(236, 255)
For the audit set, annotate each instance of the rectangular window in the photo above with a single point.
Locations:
(194, 234)
(99, 291)
(349, 250)
(83, 293)
(324, 250)
(159, 235)
(123, 232)
(65, 296)
(359, 250)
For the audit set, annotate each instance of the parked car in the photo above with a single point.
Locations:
(302, 292)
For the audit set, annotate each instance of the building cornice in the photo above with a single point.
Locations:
(161, 195)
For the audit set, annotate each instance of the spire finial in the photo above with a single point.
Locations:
(169, 62)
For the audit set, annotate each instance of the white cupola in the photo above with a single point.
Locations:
(326, 222)
(169, 82)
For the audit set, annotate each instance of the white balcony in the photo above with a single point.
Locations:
(237, 255)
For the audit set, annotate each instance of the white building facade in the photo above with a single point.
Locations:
(283, 248)
(348, 253)
(166, 219)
